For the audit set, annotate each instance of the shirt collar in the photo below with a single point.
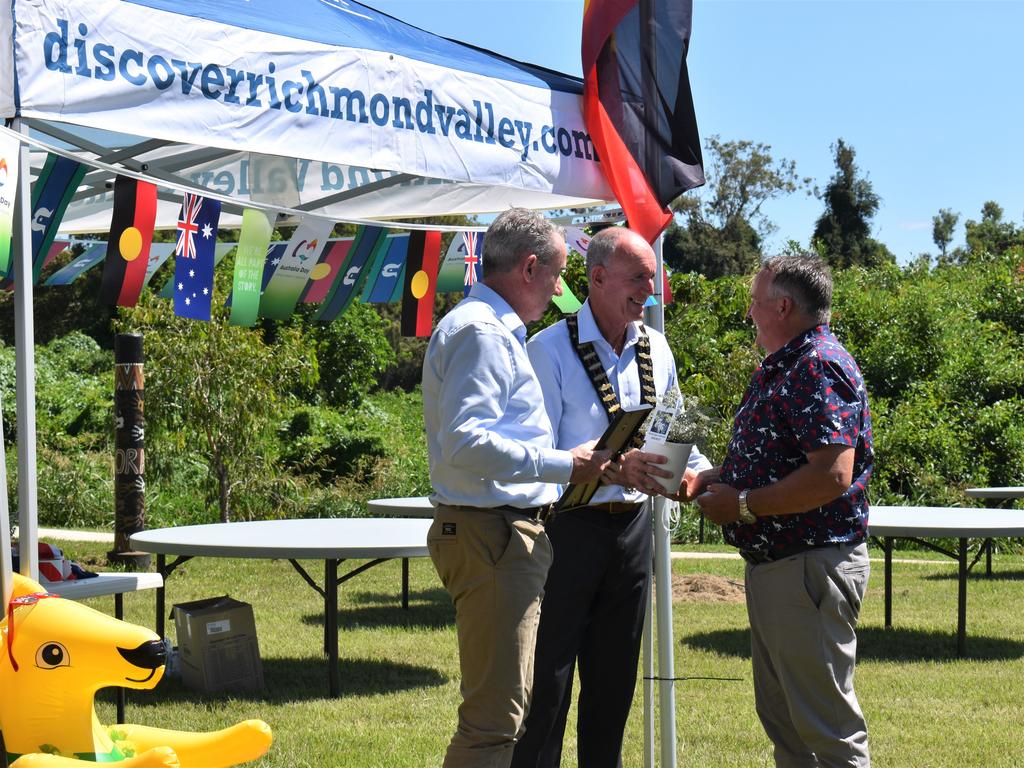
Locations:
(506, 315)
(795, 345)
(590, 332)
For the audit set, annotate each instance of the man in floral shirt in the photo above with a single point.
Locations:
(792, 496)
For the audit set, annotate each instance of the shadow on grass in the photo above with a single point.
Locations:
(428, 609)
(879, 644)
(288, 680)
(434, 595)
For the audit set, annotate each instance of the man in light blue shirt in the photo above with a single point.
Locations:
(495, 471)
(598, 586)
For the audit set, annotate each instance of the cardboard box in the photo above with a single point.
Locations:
(217, 646)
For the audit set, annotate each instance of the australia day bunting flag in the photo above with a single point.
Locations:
(332, 258)
(292, 272)
(194, 256)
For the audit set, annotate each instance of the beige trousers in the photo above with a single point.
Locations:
(493, 564)
(803, 616)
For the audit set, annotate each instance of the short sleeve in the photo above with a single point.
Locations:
(824, 406)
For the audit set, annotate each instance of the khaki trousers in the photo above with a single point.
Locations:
(803, 614)
(493, 564)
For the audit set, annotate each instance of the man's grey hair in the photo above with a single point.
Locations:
(602, 247)
(515, 234)
(806, 279)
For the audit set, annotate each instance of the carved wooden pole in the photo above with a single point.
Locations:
(129, 449)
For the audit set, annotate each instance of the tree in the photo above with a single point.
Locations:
(214, 389)
(989, 237)
(725, 224)
(353, 352)
(844, 229)
(943, 224)
(734, 249)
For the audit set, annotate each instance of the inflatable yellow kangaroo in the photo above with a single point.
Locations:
(55, 654)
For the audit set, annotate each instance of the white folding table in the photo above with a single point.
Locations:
(962, 523)
(1000, 494)
(331, 540)
(407, 506)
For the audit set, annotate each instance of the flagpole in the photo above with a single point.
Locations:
(25, 366)
(655, 317)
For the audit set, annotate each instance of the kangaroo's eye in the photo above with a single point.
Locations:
(52, 655)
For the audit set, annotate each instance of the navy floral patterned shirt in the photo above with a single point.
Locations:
(805, 396)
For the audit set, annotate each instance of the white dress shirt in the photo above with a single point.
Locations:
(569, 396)
(489, 439)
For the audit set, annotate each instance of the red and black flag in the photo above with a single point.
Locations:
(131, 233)
(637, 104)
(421, 265)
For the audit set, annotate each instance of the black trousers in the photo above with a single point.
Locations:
(595, 598)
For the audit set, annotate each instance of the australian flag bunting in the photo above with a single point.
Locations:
(194, 257)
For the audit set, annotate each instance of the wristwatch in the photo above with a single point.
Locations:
(745, 514)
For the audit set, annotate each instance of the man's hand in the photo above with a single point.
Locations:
(698, 483)
(720, 503)
(588, 464)
(636, 469)
(688, 487)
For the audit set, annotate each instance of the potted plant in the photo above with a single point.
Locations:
(672, 428)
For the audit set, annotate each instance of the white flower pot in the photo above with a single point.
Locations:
(678, 454)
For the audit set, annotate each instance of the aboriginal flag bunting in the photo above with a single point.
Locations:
(421, 265)
(637, 104)
(131, 233)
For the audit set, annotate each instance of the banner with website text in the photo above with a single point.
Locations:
(391, 97)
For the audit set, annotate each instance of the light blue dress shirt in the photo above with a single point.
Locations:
(489, 439)
(569, 396)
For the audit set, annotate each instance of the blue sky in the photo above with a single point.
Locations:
(928, 92)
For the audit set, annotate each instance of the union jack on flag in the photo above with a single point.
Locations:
(195, 250)
(188, 227)
(472, 242)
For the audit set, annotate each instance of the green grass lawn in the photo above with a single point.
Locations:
(399, 669)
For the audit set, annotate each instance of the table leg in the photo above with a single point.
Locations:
(405, 583)
(331, 626)
(119, 615)
(161, 598)
(887, 546)
(961, 608)
(988, 558)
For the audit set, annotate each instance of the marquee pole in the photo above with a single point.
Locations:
(25, 366)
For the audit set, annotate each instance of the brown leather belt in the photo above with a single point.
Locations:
(611, 507)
